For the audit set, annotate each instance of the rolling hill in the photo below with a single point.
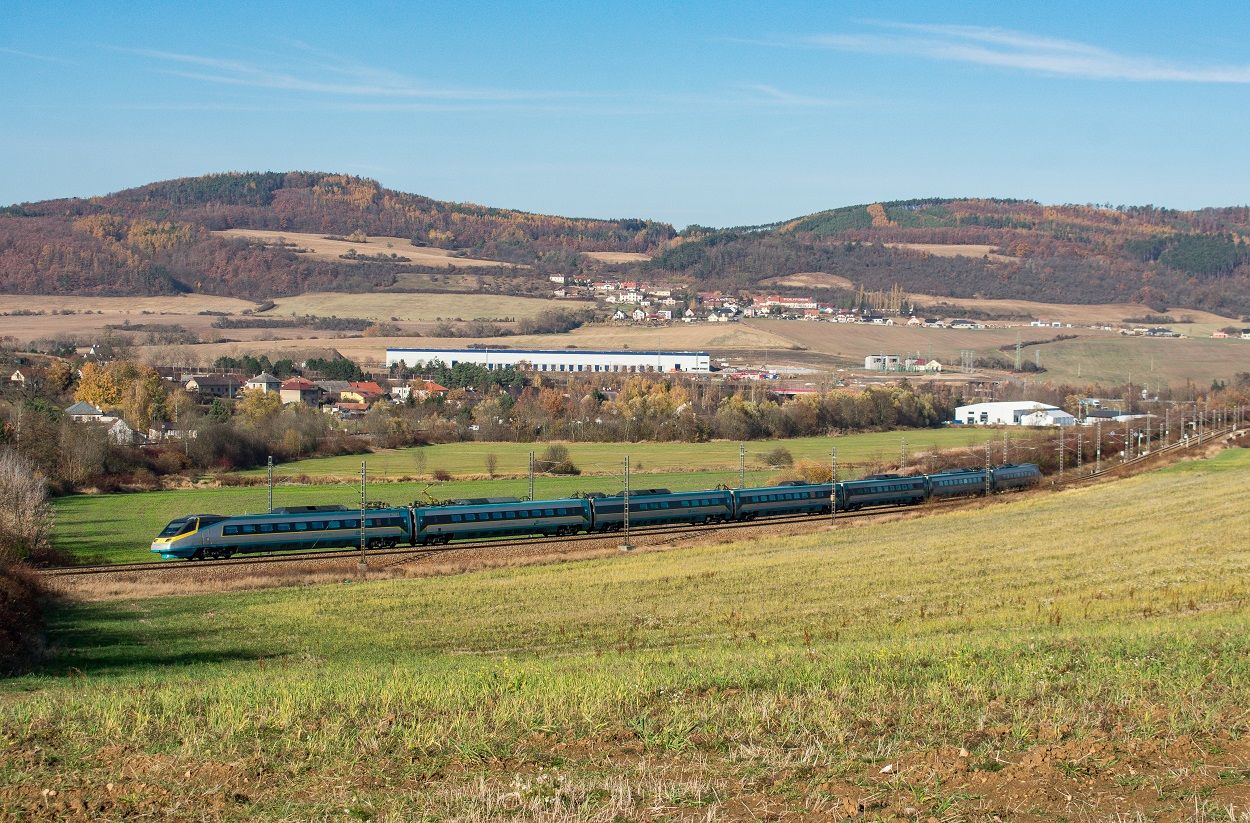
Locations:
(203, 234)
(165, 237)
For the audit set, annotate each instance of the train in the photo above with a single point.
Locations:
(214, 536)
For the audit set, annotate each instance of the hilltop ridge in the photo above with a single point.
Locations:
(164, 238)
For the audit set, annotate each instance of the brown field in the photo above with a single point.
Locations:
(617, 256)
(715, 337)
(414, 307)
(1075, 313)
(810, 280)
(954, 250)
(320, 248)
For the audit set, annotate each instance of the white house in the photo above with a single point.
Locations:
(263, 382)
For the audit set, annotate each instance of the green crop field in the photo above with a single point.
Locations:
(605, 458)
(119, 528)
(1083, 655)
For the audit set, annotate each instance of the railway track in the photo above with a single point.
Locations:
(399, 556)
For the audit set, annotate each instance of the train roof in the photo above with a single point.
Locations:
(307, 509)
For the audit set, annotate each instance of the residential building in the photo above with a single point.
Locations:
(212, 386)
(300, 390)
(84, 412)
(263, 382)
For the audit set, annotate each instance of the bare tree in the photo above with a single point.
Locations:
(25, 515)
(492, 463)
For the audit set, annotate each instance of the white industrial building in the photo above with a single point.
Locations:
(558, 360)
(1013, 413)
(883, 362)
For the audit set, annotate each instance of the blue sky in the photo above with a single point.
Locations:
(715, 113)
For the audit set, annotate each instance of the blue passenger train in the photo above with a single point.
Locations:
(213, 536)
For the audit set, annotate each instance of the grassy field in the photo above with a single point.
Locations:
(1079, 656)
(415, 307)
(716, 337)
(321, 248)
(605, 458)
(119, 528)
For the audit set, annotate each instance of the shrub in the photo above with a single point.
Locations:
(442, 475)
(555, 460)
(779, 457)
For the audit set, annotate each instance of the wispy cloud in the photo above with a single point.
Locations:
(327, 78)
(1006, 48)
(30, 55)
(764, 94)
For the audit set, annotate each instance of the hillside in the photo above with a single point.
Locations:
(259, 235)
(968, 665)
(159, 238)
(1014, 250)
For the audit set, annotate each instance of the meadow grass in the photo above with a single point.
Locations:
(670, 684)
(605, 458)
(118, 528)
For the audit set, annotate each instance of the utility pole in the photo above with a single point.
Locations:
(1061, 453)
(833, 486)
(1080, 452)
(269, 482)
(1018, 364)
(1098, 448)
(902, 454)
(531, 476)
(1167, 425)
(989, 484)
(1005, 460)
(742, 466)
(625, 546)
(364, 559)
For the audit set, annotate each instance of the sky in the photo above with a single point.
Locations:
(715, 113)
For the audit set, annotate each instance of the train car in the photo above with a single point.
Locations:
(795, 497)
(499, 517)
(650, 507)
(1015, 477)
(200, 537)
(956, 483)
(881, 490)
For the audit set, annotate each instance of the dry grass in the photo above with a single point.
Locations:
(954, 250)
(975, 664)
(810, 280)
(415, 307)
(372, 350)
(319, 248)
(617, 256)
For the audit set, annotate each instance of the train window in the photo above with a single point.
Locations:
(510, 515)
(550, 512)
(455, 518)
(248, 528)
(264, 528)
(228, 530)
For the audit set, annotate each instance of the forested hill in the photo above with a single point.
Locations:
(1006, 249)
(158, 238)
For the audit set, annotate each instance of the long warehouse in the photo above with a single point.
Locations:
(558, 360)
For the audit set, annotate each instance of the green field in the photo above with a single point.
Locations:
(1089, 650)
(605, 458)
(118, 528)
